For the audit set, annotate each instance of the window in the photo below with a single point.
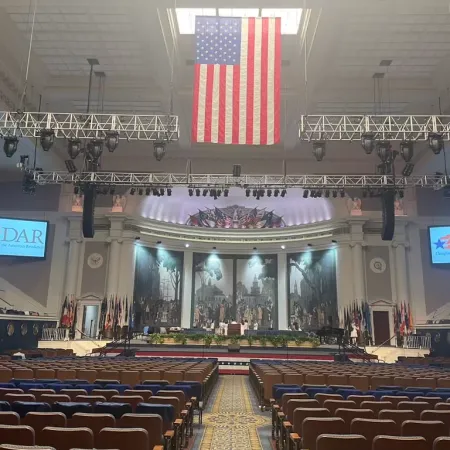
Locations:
(290, 17)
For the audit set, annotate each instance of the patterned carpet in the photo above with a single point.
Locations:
(233, 418)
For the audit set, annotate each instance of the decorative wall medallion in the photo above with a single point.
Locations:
(23, 329)
(35, 329)
(95, 260)
(377, 265)
(10, 329)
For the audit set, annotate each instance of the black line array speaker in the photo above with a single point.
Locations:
(388, 213)
(90, 193)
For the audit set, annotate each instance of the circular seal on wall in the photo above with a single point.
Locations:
(35, 329)
(95, 260)
(23, 329)
(10, 329)
(377, 265)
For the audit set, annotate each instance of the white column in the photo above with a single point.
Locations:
(401, 275)
(112, 279)
(358, 271)
(125, 286)
(186, 302)
(344, 276)
(282, 292)
(72, 267)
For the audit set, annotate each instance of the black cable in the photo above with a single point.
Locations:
(36, 139)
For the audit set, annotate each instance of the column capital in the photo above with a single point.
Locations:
(111, 239)
(73, 239)
(353, 244)
(396, 244)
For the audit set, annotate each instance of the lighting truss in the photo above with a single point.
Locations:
(389, 128)
(245, 181)
(90, 126)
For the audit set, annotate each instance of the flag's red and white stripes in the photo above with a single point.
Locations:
(240, 104)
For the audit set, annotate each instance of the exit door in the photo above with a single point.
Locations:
(381, 327)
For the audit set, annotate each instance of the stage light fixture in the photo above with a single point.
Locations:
(334, 241)
(169, 192)
(401, 193)
(309, 245)
(283, 247)
(76, 190)
(219, 193)
(47, 139)
(148, 191)
(368, 142)
(313, 194)
(319, 194)
(112, 140)
(305, 193)
(70, 166)
(197, 192)
(212, 193)
(187, 245)
(158, 242)
(269, 192)
(205, 192)
(327, 193)
(73, 148)
(319, 150)
(225, 193)
(161, 192)
(436, 142)
(407, 150)
(283, 192)
(254, 248)
(141, 191)
(408, 170)
(364, 193)
(159, 150)
(112, 190)
(247, 192)
(261, 192)
(132, 191)
(342, 193)
(384, 150)
(10, 145)
(255, 192)
(236, 170)
(191, 192)
(335, 194)
(276, 193)
(95, 149)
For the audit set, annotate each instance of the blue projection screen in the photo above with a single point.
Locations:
(439, 244)
(23, 238)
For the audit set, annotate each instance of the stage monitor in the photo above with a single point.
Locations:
(23, 238)
(439, 241)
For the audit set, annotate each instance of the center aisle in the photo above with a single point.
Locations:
(233, 417)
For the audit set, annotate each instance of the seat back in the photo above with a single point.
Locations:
(441, 443)
(301, 403)
(394, 399)
(300, 414)
(339, 442)
(92, 399)
(358, 399)
(286, 397)
(9, 418)
(167, 401)
(321, 398)
(442, 406)
(397, 415)
(384, 442)
(369, 428)
(67, 438)
(313, 427)
(145, 394)
(132, 400)
(333, 405)
(39, 420)
(73, 393)
(107, 393)
(53, 398)
(417, 407)
(16, 435)
(428, 429)
(176, 393)
(123, 439)
(360, 382)
(433, 414)
(431, 400)
(11, 398)
(95, 422)
(376, 407)
(348, 415)
(152, 423)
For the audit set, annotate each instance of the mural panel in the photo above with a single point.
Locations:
(157, 287)
(234, 288)
(312, 289)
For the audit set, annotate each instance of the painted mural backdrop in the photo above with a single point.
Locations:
(234, 288)
(157, 287)
(312, 289)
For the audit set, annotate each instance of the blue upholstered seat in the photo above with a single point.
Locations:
(411, 395)
(5, 406)
(27, 386)
(280, 385)
(88, 387)
(23, 408)
(279, 392)
(318, 390)
(70, 408)
(346, 392)
(116, 409)
(167, 412)
(378, 394)
(119, 387)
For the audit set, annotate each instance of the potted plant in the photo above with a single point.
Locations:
(180, 338)
(219, 339)
(208, 339)
(263, 340)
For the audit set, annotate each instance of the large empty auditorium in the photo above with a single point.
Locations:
(224, 226)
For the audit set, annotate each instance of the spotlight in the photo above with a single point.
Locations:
(197, 192)
(28, 184)
(47, 139)
(435, 142)
(342, 193)
(276, 193)
(141, 191)
(283, 247)
(384, 150)
(236, 170)
(368, 142)
(214, 248)
(158, 242)
(205, 192)
(132, 191)
(148, 191)
(309, 245)
(95, 149)
(225, 193)
(261, 192)
(305, 193)
(187, 245)
(74, 148)
(335, 193)
(407, 150)
(71, 167)
(334, 241)
(155, 192)
(161, 192)
(327, 194)
(254, 248)
(255, 192)
(319, 150)
(364, 193)
(159, 150)
(169, 192)
(283, 192)
(319, 194)
(408, 170)
(401, 193)
(10, 145)
(105, 190)
(112, 140)
(247, 192)
(112, 190)
(219, 193)
(212, 193)
(269, 193)
(76, 190)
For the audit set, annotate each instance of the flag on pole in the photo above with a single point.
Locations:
(237, 80)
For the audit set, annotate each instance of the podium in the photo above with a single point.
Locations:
(234, 329)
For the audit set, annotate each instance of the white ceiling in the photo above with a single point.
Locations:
(339, 48)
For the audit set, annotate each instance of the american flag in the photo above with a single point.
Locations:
(237, 80)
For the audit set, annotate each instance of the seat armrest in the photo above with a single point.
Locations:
(184, 412)
(276, 407)
(158, 447)
(281, 415)
(294, 437)
(169, 434)
(194, 400)
(178, 422)
(272, 400)
(287, 424)
(189, 405)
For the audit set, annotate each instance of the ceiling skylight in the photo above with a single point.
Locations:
(290, 17)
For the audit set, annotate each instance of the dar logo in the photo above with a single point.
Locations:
(443, 243)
